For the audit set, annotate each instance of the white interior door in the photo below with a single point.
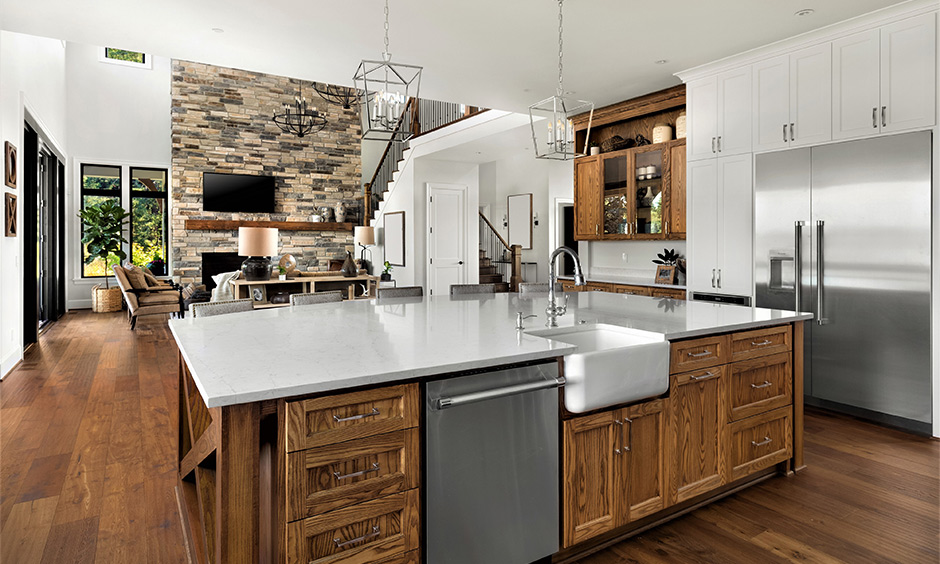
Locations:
(447, 237)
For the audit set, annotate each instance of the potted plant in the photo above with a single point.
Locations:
(157, 266)
(103, 227)
(387, 272)
(281, 272)
(595, 148)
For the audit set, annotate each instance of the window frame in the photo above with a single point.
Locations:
(164, 195)
(103, 58)
(82, 192)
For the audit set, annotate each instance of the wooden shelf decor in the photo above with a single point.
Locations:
(233, 224)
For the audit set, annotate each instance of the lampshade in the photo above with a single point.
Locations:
(257, 241)
(364, 235)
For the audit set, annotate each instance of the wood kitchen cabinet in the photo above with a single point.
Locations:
(696, 432)
(792, 99)
(645, 427)
(884, 80)
(587, 198)
(720, 115)
(675, 227)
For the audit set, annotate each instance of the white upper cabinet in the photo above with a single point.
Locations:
(719, 109)
(884, 80)
(908, 73)
(792, 99)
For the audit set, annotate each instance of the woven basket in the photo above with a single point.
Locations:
(616, 143)
(104, 300)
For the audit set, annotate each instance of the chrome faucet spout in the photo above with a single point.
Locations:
(554, 310)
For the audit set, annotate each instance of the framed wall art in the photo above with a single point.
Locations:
(9, 212)
(519, 212)
(395, 238)
(9, 164)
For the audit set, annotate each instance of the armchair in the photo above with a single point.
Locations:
(165, 298)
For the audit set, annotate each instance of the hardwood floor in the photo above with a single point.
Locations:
(87, 450)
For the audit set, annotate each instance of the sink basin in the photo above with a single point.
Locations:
(613, 365)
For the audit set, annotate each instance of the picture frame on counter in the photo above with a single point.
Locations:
(665, 274)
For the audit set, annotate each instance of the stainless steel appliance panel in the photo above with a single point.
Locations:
(492, 467)
(871, 203)
(782, 214)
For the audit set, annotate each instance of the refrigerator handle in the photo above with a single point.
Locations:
(798, 264)
(820, 301)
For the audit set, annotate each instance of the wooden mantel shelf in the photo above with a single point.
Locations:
(226, 224)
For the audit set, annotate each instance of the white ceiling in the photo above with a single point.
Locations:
(494, 53)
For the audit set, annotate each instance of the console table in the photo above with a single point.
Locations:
(261, 291)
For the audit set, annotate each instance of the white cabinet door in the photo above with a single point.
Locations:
(908, 73)
(735, 233)
(771, 98)
(734, 112)
(702, 225)
(811, 96)
(702, 110)
(855, 85)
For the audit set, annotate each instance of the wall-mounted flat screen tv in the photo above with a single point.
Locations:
(237, 193)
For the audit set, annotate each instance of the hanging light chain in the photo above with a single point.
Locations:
(561, 45)
(387, 55)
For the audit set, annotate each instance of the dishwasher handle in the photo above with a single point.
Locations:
(494, 393)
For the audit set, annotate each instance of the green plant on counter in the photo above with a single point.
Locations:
(103, 225)
(281, 270)
(670, 257)
(388, 268)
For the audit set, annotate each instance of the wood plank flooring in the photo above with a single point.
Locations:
(87, 450)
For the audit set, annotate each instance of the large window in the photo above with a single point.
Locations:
(147, 201)
(149, 218)
(99, 183)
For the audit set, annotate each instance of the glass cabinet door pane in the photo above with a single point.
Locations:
(649, 193)
(615, 172)
(616, 213)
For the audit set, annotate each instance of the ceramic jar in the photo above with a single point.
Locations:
(662, 132)
(340, 210)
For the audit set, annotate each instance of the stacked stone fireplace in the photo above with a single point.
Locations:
(221, 122)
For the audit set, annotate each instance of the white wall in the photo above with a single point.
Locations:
(32, 83)
(117, 115)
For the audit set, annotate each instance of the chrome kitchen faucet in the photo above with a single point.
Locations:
(554, 310)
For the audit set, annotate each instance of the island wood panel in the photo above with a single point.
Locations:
(645, 450)
(410, 557)
(761, 342)
(759, 385)
(697, 442)
(343, 417)
(798, 396)
(592, 496)
(760, 442)
(333, 476)
(233, 224)
(587, 198)
(360, 534)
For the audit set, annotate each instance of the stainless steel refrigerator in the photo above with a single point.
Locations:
(843, 231)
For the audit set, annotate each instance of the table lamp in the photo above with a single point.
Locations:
(259, 244)
(364, 236)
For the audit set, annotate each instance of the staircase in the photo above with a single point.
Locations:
(489, 273)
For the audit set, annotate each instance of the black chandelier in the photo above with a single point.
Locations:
(298, 118)
(339, 95)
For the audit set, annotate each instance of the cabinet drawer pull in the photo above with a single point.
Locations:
(792, 138)
(375, 468)
(701, 354)
(713, 144)
(884, 122)
(766, 441)
(874, 118)
(619, 450)
(703, 376)
(763, 343)
(719, 143)
(375, 532)
(372, 413)
(759, 386)
(784, 133)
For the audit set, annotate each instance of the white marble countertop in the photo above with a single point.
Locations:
(629, 280)
(275, 353)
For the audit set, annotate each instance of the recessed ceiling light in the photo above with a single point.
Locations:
(661, 62)
(218, 30)
(805, 12)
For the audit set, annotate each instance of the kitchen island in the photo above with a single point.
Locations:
(271, 399)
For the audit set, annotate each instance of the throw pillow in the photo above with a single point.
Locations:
(136, 277)
(150, 278)
(223, 290)
(189, 290)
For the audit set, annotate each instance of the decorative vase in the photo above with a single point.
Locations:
(257, 268)
(386, 277)
(325, 213)
(349, 266)
(340, 210)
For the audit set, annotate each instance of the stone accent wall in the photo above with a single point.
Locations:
(222, 123)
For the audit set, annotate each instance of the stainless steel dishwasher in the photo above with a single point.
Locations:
(492, 466)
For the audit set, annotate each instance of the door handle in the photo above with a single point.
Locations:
(713, 278)
(619, 450)
(884, 121)
(798, 264)
(792, 138)
(713, 144)
(784, 133)
(719, 278)
(629, 444)
(820, 274)
(473, 397)
(874, 117)
(719, 143)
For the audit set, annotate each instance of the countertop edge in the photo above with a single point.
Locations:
(738, 327)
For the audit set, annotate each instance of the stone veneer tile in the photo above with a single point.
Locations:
(221, 122)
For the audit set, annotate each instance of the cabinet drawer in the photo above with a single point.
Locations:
(411, 557)
(344, 417)
(333, 476)
(667, 293)
(699, 353)
(760, 442)
(760, 385)
(359, 534)
(760, 342)
(569, 286)
(698, 375)
(632, 290)
(596, 287)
